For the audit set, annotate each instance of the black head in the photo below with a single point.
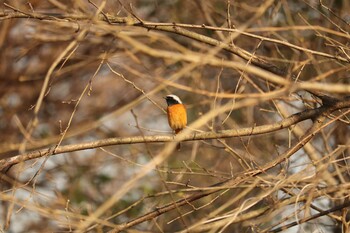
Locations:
(172, 99)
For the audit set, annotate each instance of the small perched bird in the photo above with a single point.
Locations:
(177, 116)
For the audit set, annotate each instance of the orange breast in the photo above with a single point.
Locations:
(177, 117)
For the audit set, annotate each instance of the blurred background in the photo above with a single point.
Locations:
(73, 77)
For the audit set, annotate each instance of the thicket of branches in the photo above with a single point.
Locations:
(85, 143)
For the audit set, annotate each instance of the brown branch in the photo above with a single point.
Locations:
(180, 30)
(265, 75)
(322, 213)
(249, 131)
(238, 178)
(262, 38)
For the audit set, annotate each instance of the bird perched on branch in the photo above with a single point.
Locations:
(177, 116)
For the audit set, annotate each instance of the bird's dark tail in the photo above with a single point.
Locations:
(177, 131)
(178, 146)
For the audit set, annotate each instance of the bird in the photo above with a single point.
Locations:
(177, 115)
